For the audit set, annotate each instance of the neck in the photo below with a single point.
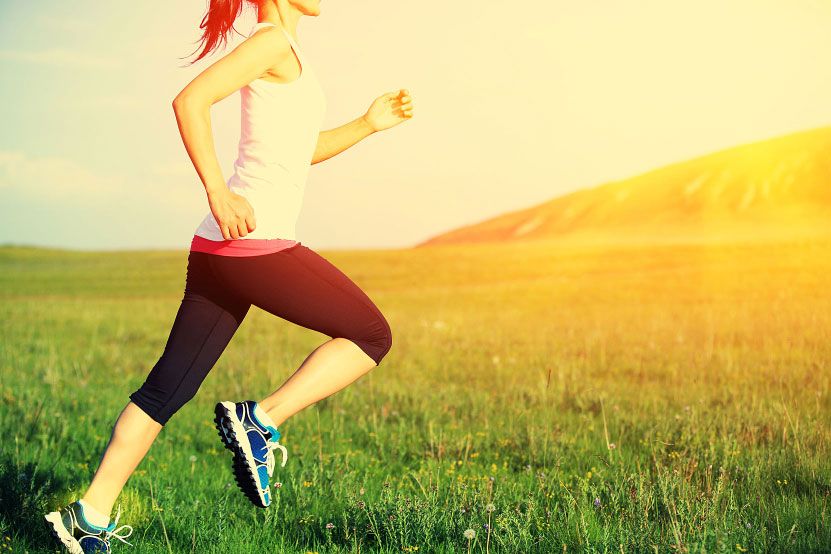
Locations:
(280, 13)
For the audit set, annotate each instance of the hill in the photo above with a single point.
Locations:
(764, 189)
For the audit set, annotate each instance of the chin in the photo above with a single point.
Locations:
(312, 8)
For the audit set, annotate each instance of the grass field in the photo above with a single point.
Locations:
(551, 398)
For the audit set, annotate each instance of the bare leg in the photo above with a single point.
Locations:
(132, 436)
(329, 368)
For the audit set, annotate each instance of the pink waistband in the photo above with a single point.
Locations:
(240, 247)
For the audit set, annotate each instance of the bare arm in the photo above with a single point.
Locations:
(192, 105)
(386, 111)
(334, 141)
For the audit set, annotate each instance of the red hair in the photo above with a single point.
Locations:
(218, 22)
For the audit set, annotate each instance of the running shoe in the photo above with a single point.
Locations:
(253, 444)
(78, 536)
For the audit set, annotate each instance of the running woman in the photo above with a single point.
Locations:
(245, 252)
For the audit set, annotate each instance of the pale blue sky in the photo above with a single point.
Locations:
(515, 103)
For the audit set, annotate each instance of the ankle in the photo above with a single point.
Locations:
(94, 515)
(274, 410)
(264, 417)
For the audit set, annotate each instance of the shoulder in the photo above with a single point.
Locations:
(269, 41)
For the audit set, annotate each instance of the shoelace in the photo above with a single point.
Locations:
(115, 532)
(270, 456)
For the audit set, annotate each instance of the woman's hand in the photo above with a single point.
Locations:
(233, 213)
(389, 109)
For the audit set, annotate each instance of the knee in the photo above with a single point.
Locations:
(160, 407)
(150, 403)
(377, 342)
(161, 396)
(385, 340)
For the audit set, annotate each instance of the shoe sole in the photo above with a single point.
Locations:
(245, 473)
(61, 534)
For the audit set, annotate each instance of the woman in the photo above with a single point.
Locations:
(245, 252)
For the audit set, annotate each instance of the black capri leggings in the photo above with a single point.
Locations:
(296, 284)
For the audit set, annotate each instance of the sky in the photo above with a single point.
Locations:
(515, 103)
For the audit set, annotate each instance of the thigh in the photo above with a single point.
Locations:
(301, 286)
(207, 318)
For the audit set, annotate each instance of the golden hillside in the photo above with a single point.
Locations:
(765, 189)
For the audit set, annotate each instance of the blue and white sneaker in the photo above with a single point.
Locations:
(248, 431)
(79, 536)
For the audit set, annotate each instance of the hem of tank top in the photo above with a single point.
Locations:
(241, 247)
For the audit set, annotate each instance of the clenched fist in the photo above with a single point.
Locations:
(389, 110)
(233, 213)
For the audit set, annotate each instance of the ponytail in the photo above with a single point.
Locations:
(217, 23)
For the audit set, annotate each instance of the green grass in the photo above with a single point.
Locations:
(627, 398)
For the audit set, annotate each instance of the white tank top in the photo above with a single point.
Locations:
(278, 134)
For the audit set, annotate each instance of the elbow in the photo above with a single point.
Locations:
(179, 102)
(186, 101)
(190, 104)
